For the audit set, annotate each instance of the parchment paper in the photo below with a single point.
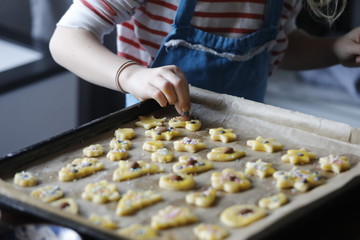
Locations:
(248, 120)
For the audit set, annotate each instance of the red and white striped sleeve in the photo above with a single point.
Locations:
(98, 16)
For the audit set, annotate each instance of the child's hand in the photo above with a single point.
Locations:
(167, 85)
(347, 48)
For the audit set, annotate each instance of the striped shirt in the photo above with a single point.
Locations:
(142, 25)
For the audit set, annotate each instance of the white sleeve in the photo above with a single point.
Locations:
(290, 25)
(98, 16)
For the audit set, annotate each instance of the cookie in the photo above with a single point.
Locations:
(203, 198)
(149, 122)
(301, 180)
(162, 133)
(264, 145)
(101, 192)
(79, 168)
(66, 204)
(222, 134)
(230, 181)
(298, 156)
(132, 201)
(173, 216)
(210, 232)
(242, 215)
(334, 163)
(274, 201)
(48, 194)
(259, 168)
(124, 133)
(189, 145)
(173, 181)
(191, 165)
(94, 150)
(120, 144)
(185, 122)
(139, 232)
(117, 154)
(162, 155)
(134, 169)
(224, 154)
(152, 146)
(103, 221)
(25, 179)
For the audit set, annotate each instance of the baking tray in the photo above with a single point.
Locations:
(17, 161)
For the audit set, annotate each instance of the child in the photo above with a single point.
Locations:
(224, 46)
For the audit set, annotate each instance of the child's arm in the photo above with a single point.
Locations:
(308, 52)
(81, 52)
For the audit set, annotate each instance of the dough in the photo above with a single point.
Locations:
(149, 122)
(66, 204)
(334, 163)
(178, 181)
(274, 201)
(162, 155)
(224, 154)
(221, 134)
(103, 221)
(163, 133)
(101, 192)
(185, 122)
(132, 201)
(117, 154)
(298, 156)
(152, 146)
(191, 165)
(259, 168)
(265, 145)
(172, 216)
(134, 169)
(189, 145)
(120, 144)
(202, 198)
(48, 194)
(94, 150)
(25, 179)
(241, 215)
(301, 180)
(230, 181)
(210, 232)
(139, 232)
(80, 167)
(124, 133)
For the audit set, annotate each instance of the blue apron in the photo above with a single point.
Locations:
(235, 66)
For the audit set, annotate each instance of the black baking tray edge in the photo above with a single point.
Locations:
(13, 161)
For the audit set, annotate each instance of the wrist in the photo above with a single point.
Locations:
(122, 74)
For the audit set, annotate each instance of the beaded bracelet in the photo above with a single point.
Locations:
(121, 68)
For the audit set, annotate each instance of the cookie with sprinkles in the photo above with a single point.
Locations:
(334, 163)
(101, 192)
(259, 168)
(222, 134)
(210, 232)
(185, 122)
(264, 145)
(120, 144)
(134, 169)
(298, 156)
(48, 193)
(149, 122)
(103, 221)
(79, 168)
(189, 145)
(225, 154)
(274, 201)
(173, 216)
(66, 204)
(162, 155)
(242, 215)
(139, 232)
(203, 198)
(162, 133)
(94, 150)
(117, 154)
(133, 201)
(230, 181)
(25, 179)
(191, 165)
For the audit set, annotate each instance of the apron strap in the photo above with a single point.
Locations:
(273, 13)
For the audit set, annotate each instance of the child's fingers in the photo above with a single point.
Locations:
(157, 95)
(166, 87)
